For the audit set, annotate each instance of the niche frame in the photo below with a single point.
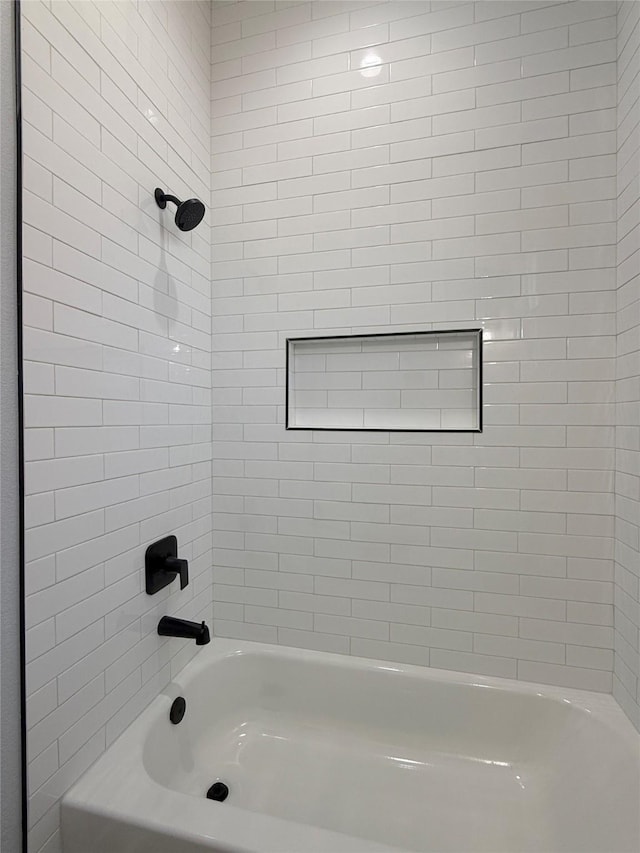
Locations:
(290, 343)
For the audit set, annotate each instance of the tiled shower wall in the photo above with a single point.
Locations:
(627, 562)
(409, 166)
(375, 168)
(117, 375)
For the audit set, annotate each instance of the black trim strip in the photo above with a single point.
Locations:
(364, 336)
(23, 658)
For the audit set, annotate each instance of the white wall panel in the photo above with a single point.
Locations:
(416, 167)
(117, 315)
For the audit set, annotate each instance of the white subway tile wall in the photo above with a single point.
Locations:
(405, 382)
(627, 490)
(407, 166)
(370, 168)
(117, 341)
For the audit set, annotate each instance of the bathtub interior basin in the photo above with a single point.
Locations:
(330, 753)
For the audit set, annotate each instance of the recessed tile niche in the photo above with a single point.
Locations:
(410, 381)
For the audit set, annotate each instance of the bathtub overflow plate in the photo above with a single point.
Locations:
(178, 709)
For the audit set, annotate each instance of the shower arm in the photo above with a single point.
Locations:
(163, 198)
(189, 213)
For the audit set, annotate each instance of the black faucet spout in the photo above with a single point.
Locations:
(169, 626)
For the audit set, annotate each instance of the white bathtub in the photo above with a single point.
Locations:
(334, 754)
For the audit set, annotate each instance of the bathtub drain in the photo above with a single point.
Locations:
(218, 791)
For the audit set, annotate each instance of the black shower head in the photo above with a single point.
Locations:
(189, 213)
